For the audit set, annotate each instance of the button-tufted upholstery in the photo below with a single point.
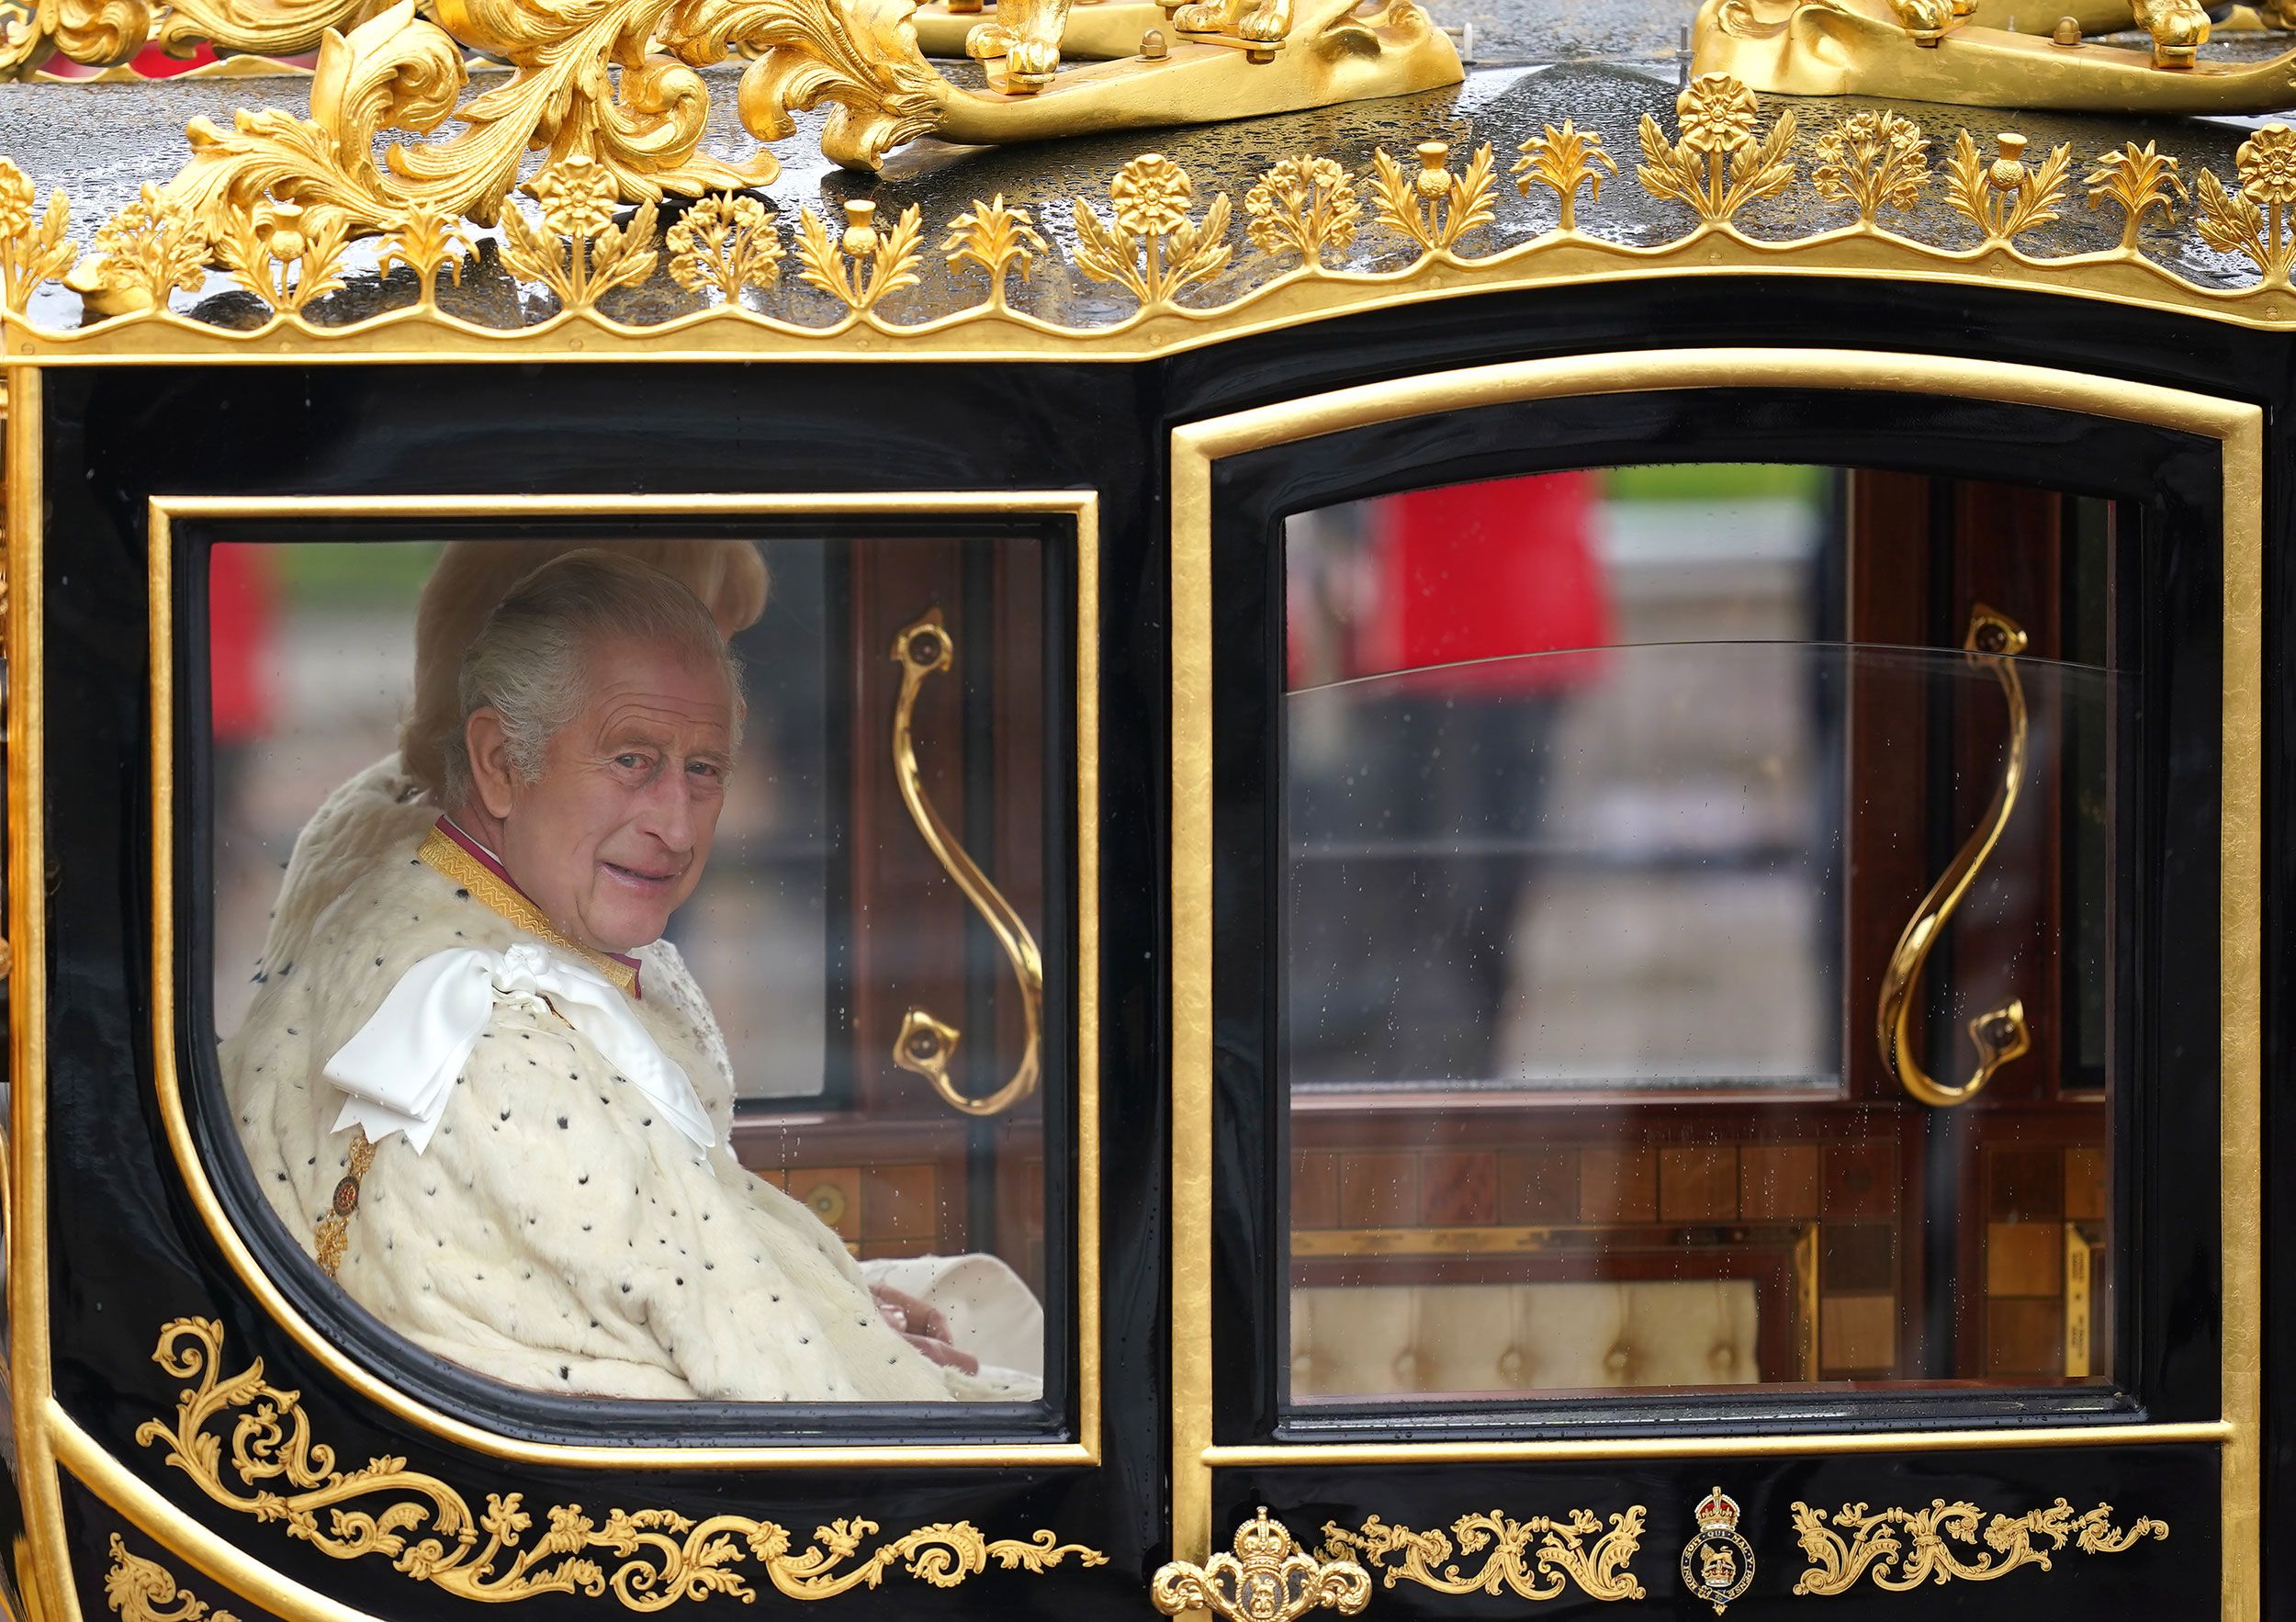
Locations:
(1381, 1340)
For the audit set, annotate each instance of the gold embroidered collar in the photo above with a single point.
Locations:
(442, 853)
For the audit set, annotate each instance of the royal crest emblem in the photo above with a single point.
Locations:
(1718, 1563)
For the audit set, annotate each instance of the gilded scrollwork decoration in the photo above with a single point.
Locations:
(1264, 1577)
(141, 1589)
(1154, 235)
(248, 1445)
(1537, 1558)
(1902, 1548)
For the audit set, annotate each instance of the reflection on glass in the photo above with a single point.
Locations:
(1600, 829)
(523, 882)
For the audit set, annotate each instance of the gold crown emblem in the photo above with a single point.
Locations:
(1718, 1511)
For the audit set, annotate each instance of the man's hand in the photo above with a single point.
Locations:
(923, 1327)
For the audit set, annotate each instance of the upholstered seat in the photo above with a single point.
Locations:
(1380, 1340)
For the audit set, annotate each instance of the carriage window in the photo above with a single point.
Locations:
(1700, 913)
(620, 1018)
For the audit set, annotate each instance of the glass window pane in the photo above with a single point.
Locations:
(1609, 796)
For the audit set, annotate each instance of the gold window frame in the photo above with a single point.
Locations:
(2238, 429)
(48, 1437)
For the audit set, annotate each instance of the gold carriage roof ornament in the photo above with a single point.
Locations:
(2030, 55)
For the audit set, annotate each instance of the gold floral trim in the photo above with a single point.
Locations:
(1511, 1561)
(271, 1470)
(1162, 244)
(1902, 1548)
(139, 1590)
(446, 858)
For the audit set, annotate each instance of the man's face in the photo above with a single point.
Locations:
(614, 836)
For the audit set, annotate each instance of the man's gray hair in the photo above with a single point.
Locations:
(533, 659)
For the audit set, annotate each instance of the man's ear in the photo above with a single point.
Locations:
(491, 774)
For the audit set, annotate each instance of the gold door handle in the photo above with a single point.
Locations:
(1268, 1577)
(1999, 1034)
(925, 1045)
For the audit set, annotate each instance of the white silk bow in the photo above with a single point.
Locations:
(399, 1069)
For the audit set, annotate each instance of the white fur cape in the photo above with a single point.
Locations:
(557, 1232)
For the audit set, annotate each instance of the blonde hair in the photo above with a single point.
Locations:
(471, 577)
(532, 662)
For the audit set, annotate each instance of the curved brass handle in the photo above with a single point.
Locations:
(2000, 1033)
(1268, 1577)
(926, 1044)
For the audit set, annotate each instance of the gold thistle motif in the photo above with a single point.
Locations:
(1715, 166)
(1562, 161)
(995, 239)
(1923, 1553)
(863, 265)
(139, 1590)
(649, 1558)
(284, 254)
(427, 243)
(1874, 161)
(724, 244)
(576, 198)
(1560, 1558)
(33, 248)
(1153, 246)
(2136, 180)
(2007, 195)
(2232, 223)
(1304, 205)
(1434, 208)
(1268, 1578)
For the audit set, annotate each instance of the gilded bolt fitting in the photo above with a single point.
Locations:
(1435, 181)
(860, 229)
(2068, 31)
(2008, 169)
(1152, 46)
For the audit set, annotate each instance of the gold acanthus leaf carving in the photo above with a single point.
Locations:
(1153, 245)
(1925, 1551)
(1715, 166)
(259, 27)
(1562, 161)
(97, 33)
(1434, 208)
(141, 1589)
(1560, 1558)
(859, 56)
(274, 1473)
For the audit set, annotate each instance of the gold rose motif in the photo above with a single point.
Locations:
(33, 247)
(1152, 195)
(576, 198)
(1716, 115)
(1151, 247)
(1717, 166)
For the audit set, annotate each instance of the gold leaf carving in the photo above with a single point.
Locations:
(1302, 206)
(2007, 195)
(1874, 161)
(1153, 245)
(648, 1558)
(1434, 208)
(259, 27)
(139, 1590)
(150, 249)
(427, 243)
(33, 247)
(726, 244)
(1902, 1548)
(997, 239)
(863, 265)
(577, 198)
(860, 56)
(1717, 166)
(1511, 1563)
(2254, 221)
(2136, 180)
(1562, 161)
(97, 33)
